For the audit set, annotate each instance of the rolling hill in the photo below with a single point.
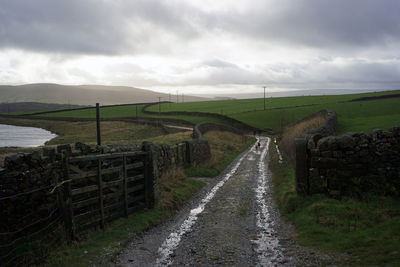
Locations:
(81, 94)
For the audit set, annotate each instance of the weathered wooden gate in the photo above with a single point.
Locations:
(102, 188)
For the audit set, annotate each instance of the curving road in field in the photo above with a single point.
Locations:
(232, 222)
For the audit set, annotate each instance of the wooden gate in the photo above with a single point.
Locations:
(102, 188)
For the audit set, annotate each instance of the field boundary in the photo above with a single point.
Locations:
(235, 123)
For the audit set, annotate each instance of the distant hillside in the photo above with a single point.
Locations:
(32, 106)
(82, 94)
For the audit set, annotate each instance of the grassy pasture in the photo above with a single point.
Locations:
(238, 106)
(125, 111)
(382, 113)
(282, 111)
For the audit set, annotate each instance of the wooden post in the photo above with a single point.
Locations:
(98, 124)
(125, 187)
(60, 199)
(148, 181)
(301, 166)
(100, 182)
(69, 223)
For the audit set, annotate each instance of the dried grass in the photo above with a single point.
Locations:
(290, 133)
(221, 143)
(168, 183)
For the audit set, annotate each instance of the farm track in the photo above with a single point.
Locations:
(232, 222)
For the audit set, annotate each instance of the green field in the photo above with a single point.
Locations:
(122, 112)
(228, 107)
(353, 116)
(368, 115)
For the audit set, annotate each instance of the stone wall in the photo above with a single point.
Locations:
(204, 127)
(328, 127)
(349, 164)
(38, 172)
(235, 123)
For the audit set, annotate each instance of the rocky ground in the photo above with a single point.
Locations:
(232, 222)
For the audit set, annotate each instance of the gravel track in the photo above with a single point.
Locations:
(233, 221)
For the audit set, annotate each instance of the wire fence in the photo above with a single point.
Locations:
(31, 243)
(38, 219)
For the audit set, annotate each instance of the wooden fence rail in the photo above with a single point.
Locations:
(102, 188)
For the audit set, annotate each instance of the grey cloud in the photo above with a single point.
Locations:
(216, 63)
(319, 23)
(120, 26)
(89, 26)
(318, 72)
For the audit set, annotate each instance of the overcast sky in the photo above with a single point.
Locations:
(195, 45)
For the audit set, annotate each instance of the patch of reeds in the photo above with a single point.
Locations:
(290, 133)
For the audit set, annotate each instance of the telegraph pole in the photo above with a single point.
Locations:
(183, 98)
(264, 97)
(177, 96)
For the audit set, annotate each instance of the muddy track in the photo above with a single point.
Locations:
(232, 222)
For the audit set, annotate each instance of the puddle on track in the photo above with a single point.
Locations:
(171, 243)
(267, 242)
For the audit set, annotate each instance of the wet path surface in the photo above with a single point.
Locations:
(233, 222)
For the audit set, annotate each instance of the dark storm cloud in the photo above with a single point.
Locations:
(319, 23)
(117, 27)
(90, 26)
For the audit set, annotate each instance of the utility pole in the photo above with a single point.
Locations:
(177, 96)
(183, 98)
(169, 105)
(264, 97)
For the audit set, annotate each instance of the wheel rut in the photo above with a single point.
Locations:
(232, 222)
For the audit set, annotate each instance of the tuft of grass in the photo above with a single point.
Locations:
(225, 147)
(175, 189)
(290, 133)
(367, 231)
(170, 139)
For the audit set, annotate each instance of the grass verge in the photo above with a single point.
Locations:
(98, 248)
(366, 230)
(225, 147)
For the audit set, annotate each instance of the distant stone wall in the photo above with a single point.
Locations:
(138, 120)
(349, 164)
(235, 123)
(204, 127)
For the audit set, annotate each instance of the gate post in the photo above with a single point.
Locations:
(301, 166)
(68, 209)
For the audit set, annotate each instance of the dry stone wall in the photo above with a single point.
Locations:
(28, 178)
(204, 127)
(349, 164)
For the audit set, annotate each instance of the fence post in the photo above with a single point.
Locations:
(60, 199)
(125, 187)
(301, 166)
(69, 216)
(148, 180)
(98, 124)
(100, 183)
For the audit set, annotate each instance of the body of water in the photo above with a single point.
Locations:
(19, 136)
